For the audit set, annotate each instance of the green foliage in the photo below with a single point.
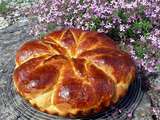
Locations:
(22, 1)
(122, 15)
(42, 34)
(4, 4)
(114, 34)
(81, 2)
(95, 23)
(158, 67)
(110, 19)
(51, 26)
(68, 17)
(140, 50)
(3, 7)
(143, 25)
(81, 15)
(109, 1)
(158, 54)
(141, 10)
(130, 33)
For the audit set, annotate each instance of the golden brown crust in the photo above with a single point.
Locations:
(72, 72)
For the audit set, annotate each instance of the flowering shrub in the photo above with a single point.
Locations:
(134, 23)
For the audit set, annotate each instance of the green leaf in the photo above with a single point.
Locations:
(92, 26)
(42, 34)
(143, 25)
(110, 19)
(68, 17)
(122, 15)
(95, 23)
(81, 15)
(130, 33)
(141, 10)
(140, 50)
(20, 1)
(81, 2)
(51, 26)
(109, 1)
(23, 1)
(96, 20)
(114, 34)
(158, 67)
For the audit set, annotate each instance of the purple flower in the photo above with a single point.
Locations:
(154, 38)
(129, 115)
(80, 15)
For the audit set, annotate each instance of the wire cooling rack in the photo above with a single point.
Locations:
(22, 110)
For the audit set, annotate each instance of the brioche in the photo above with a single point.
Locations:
(72, 72)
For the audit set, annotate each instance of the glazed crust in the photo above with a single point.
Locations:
(72, 72)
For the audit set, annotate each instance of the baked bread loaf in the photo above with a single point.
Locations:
(72, 72)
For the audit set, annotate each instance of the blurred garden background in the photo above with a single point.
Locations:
(133, 24)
